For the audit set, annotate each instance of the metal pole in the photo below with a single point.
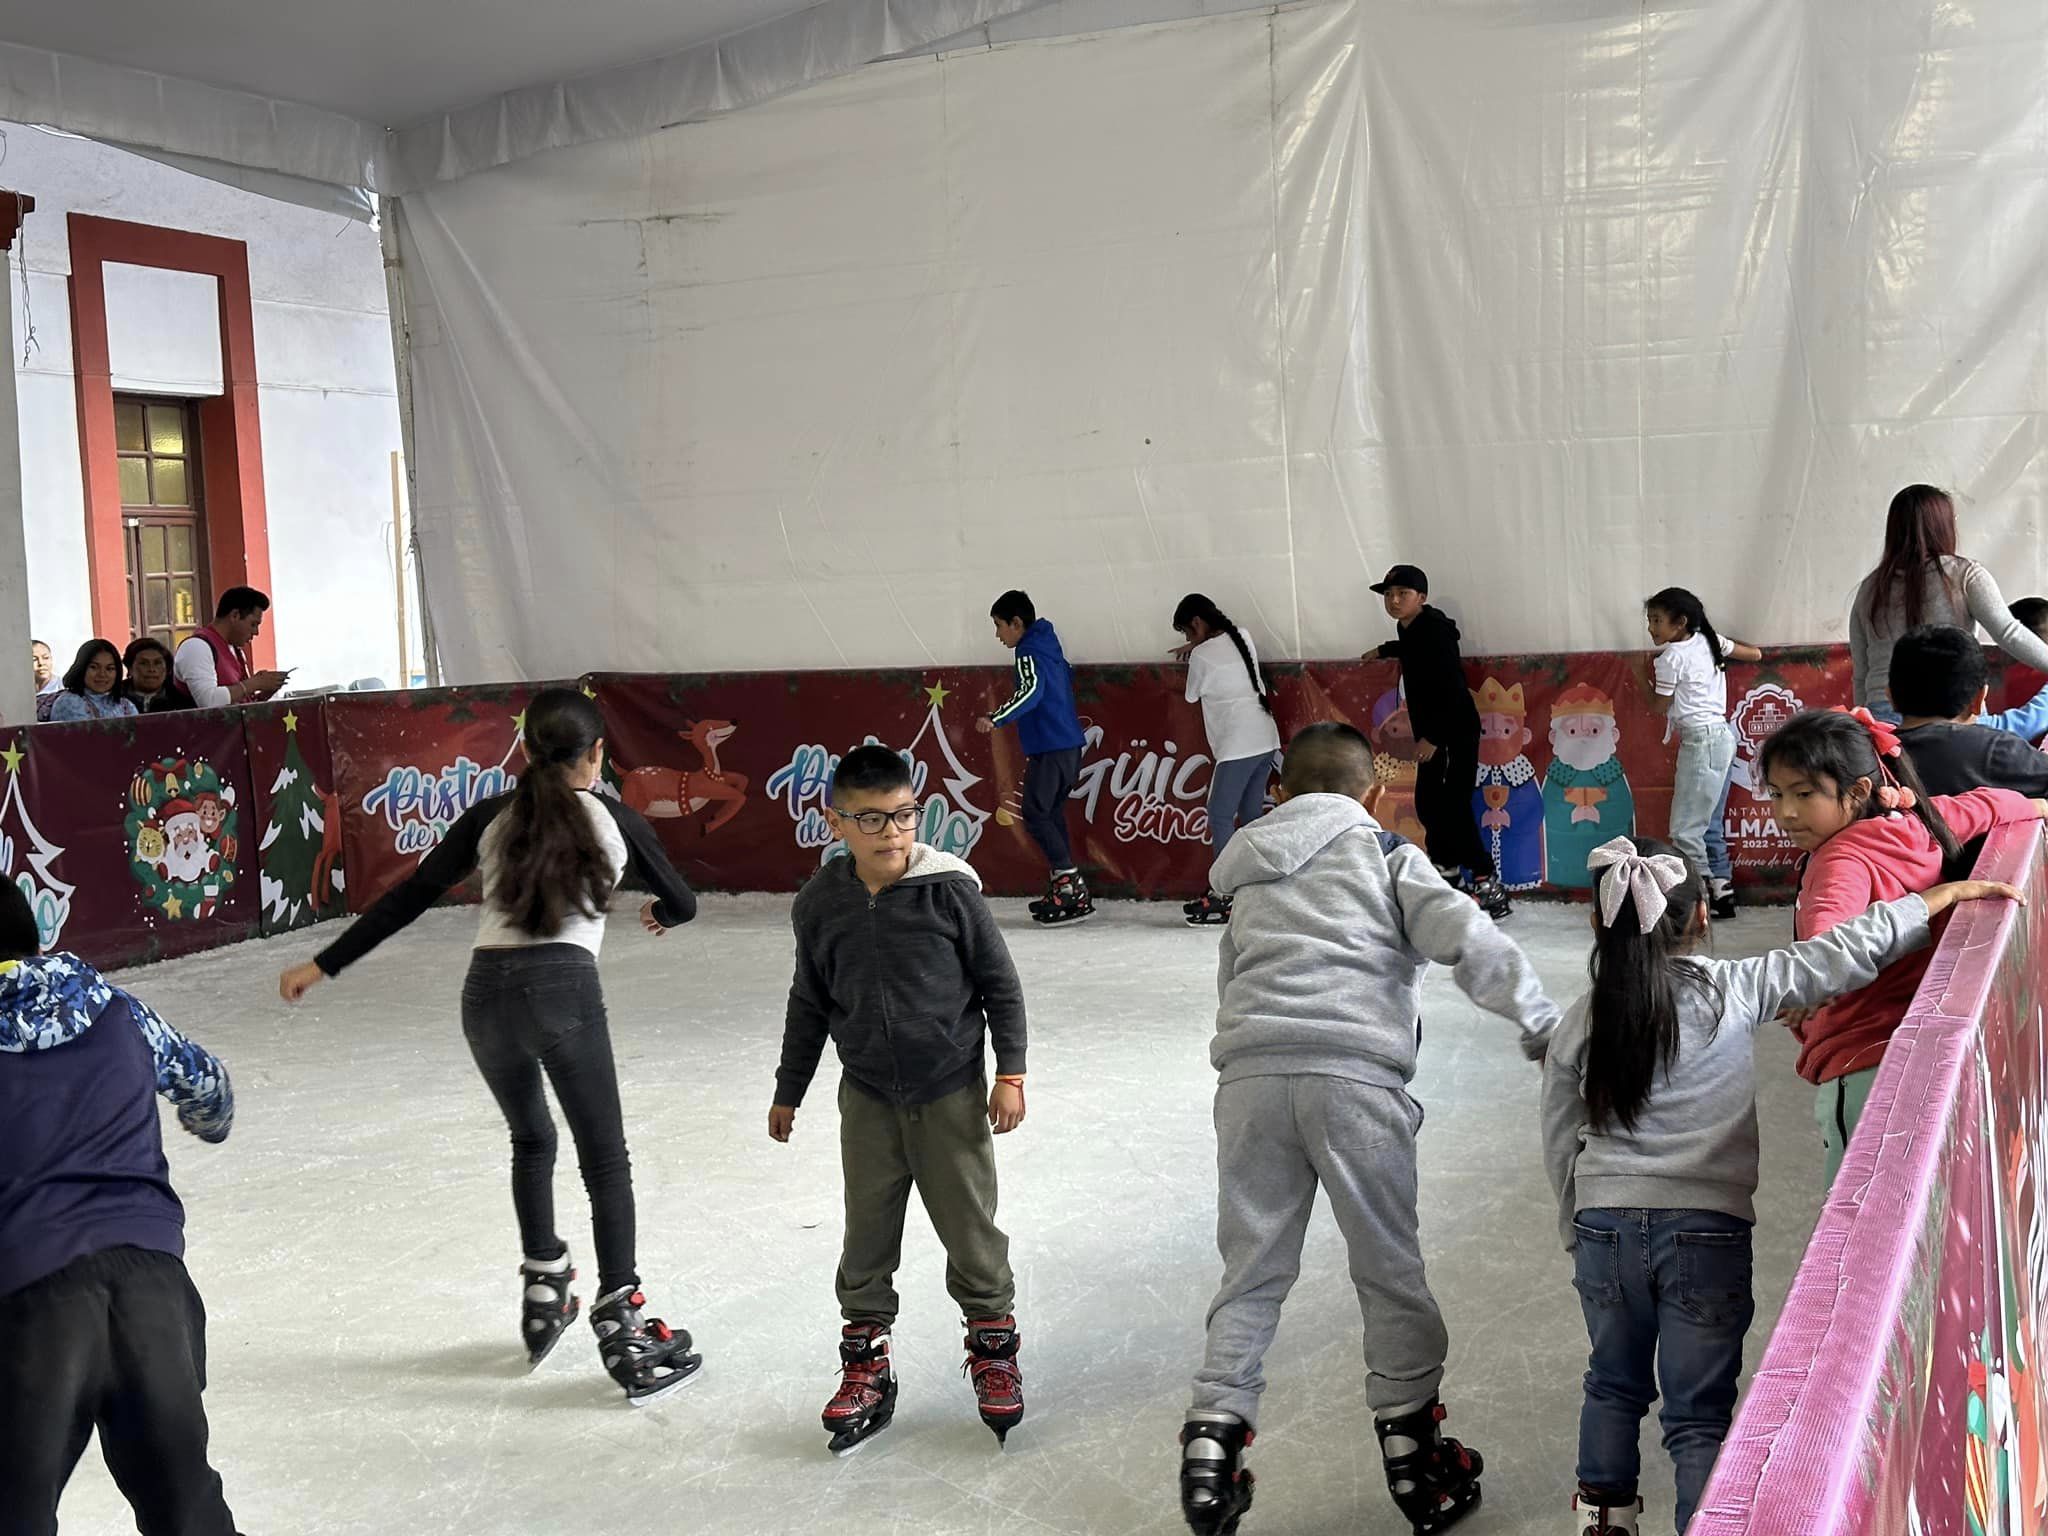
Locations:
(401, 356)
(398, 573)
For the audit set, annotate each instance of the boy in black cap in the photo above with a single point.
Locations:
(1446, 725)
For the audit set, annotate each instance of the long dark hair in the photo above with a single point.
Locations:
(551, 862)
(1195, 606)
(1677, 603)
(88, 653)
(1825, 743)
(1632, 1011)
(1919, 530)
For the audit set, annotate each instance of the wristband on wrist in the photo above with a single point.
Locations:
(1011, 1077)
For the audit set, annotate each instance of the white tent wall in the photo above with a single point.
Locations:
(1563, 302)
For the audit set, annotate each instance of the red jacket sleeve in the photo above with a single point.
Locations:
(1976, 813)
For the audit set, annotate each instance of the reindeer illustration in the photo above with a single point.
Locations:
(322, 891)
(675, 792)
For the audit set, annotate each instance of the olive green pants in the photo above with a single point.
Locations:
(946, 1150)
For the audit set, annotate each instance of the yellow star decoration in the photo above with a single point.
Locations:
(589, 692)
(173, 908)
(12, 758)
(519, 722)
(291, 721)
(938, 693)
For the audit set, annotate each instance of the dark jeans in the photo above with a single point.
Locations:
(526, 1012)
(1669, 1288)
(114, 1341)
(1443, 804)
(1048, 779)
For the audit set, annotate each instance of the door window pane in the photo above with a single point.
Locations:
(152, 550)
(135, 482)
(170, 483)
(128, 426)
(181, 549)
(167, 429)
(156, 605)
(184, 604)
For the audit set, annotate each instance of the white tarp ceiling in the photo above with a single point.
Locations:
(391, 95)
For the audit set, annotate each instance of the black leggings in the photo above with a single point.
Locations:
(529, 1011)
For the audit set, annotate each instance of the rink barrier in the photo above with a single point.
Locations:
(1903, 1390)
(143, 839)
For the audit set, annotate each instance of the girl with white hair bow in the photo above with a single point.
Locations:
(1650, 1140)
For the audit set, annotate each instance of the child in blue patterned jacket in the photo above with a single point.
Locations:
(100, 1327)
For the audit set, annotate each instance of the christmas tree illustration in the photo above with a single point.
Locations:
(26, 855)
(301, 879)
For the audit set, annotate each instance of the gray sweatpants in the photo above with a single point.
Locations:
(1276, 1139)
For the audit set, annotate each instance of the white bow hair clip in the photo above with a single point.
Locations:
(1648, 877)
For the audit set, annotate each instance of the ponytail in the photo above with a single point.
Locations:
(1844, 746)
(551, 861)
(1632, 1026)
(1196, 606)
(1678, 603)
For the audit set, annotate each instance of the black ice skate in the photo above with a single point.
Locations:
(547, 1309)
(1596, 1515)
(866, 1399)
(645, 1356)
(1215, 1485)
(1211, 909)
(992, 1365)
(1066, 901)
(1435, 1481)
(1492, 897)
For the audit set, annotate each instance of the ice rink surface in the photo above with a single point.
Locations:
(355, 1245)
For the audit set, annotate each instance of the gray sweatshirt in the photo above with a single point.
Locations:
(1694, 1147)
(1962, 593)
(1332, 925)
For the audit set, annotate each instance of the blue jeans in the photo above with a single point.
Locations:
(1237, 795)
(1669, 1289)
(1699, 796)
(1719, 865)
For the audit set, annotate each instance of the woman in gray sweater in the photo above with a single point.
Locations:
(1650, 1138)
(1922, 580)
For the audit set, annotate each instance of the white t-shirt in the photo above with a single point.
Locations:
(497, 930)
(1697, 689)
(1236, 721)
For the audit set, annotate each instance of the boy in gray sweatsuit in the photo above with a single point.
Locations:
(1333, 923)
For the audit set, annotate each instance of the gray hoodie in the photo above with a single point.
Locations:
(1694, 1147)
(1333, 922)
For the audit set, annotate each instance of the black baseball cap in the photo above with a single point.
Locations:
(1404, 576)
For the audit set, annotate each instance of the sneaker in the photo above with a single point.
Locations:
(1721, 899)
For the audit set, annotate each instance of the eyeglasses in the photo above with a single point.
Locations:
(872, 822)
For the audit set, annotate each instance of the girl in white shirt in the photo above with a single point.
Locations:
(552, 851)
(1692, 693)
(1237, 713)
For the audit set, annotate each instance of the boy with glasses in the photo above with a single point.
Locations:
(900, 963)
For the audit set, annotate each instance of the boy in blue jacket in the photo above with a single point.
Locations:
(1049, 730)
(100, 1327)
